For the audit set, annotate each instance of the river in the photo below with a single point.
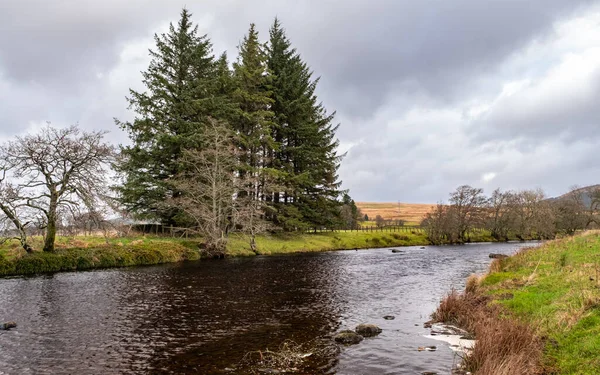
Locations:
(202, 317)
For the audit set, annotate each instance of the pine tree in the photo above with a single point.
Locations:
(254, 118)
(305, 153)
(182, 85)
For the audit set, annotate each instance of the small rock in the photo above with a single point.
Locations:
(367, 330)
(427, 324)
(389, 317)
(427, 348)
(422, 247)
(498, 256)
(8, 325)
(429, 373)
(397, 251)
(348, 337)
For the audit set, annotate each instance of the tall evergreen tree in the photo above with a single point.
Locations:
(181, 92)
(254, 118)
(305, 154)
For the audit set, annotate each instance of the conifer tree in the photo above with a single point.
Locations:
(305, 155)
(254, 118)
(181, 92)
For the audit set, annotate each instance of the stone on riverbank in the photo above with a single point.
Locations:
(389, 317)
(367, 330)
(348, 337)
(498, 256)
(8, 325)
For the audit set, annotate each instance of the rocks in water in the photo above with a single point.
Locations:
(389, 317)
(427, 324)
(498, 256)
(427, 348)
(397, 251)
(8, 325)
(422, 247)
(429, 373)
(348, 337)
(367, 330)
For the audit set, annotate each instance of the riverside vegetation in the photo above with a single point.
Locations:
(88, 252)
(537, 312)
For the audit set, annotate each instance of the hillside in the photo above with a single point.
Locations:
(587, 194)
(412, 213)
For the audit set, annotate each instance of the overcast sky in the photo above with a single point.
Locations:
(430, 94)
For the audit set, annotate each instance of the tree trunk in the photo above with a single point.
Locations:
(51, 228)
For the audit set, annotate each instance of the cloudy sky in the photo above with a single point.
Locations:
(430, 94)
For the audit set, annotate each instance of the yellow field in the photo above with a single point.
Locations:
(412, 213)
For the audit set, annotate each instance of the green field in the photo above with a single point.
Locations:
(555, 289)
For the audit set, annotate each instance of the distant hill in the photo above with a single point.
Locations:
(586, 192)
(412, 213)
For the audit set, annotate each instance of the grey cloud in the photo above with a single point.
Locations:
(386, 66)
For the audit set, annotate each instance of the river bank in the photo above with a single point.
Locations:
(91, 252)
(206, 316)
(535, 312)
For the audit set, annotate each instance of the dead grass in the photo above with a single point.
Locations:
(412, 213)
(472, 284)
(290, 357)
(504, 345)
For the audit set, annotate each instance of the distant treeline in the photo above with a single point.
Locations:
(523, 215)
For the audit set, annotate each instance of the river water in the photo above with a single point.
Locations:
(203, 317)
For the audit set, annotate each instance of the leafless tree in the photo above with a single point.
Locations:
(436, 224)
(14, 208)
(379, 221)
(571, 211)
(58, 169)
(499, 215)
(208, 187)
(467, 204)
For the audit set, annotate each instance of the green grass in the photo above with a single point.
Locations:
(311, 242)
(555, 289)
(82, 253)
(87, 252)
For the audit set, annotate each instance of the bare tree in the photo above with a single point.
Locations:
(499, 216)
(571, 211)
(208, 186)
(379, 221)
(436, 224)
(15, 211)
(58, 169)
(467, 205)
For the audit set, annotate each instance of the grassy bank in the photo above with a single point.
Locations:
(536, 312)
(82, 253)
(312, 242)
(88, 252)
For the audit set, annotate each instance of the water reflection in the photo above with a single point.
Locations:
(203, 317)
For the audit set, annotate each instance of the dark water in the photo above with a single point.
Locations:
(202, 317)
